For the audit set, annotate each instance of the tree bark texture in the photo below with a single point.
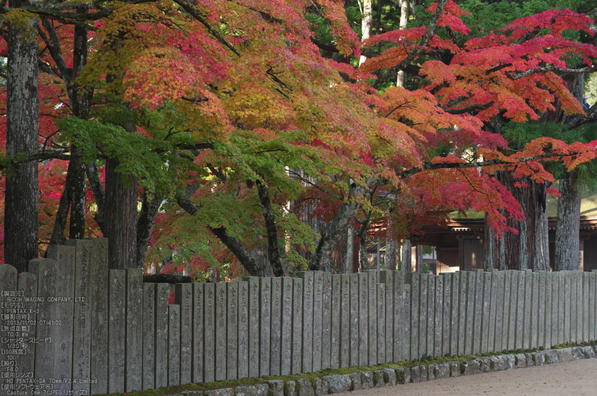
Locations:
(78, 197)
(540, 260)
(22, 189)
(74, 194)
(407, 256)
(390, 256)
(529, 249)
(80, 103)
(73, 198)
(273, 246)
(331, 233)
(363, 256)
(567, 246)
(391, 244)
(349, 251)
(121, 217)
(149, 211)
(495, 250)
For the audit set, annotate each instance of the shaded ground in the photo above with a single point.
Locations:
(562, 379)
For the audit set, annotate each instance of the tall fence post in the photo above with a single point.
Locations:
(183, 295)
(363, 341)
(326, 324)
(286, 362)
(337, 309)
(243, 329)
(232, 331)
(276, 327)
(387, 279)
(134, 329)
(548, 309)
(161, 335)
(8, 300)
(62, 334)
(117, 332)
(447, 337)
(297, 326)
(28, 287)
(317, 338)
(45, 271)
(254, 322)
(149, 335)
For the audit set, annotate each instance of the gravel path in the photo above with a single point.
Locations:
(562, 379)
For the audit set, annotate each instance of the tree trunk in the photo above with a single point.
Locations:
(529, 248)
(273, 246)
(73, 198)
(390, 256)
(333, 231)
(568, 225)
(98, 193)
(567, 247)
(349, 251)
(149, 211)
(419, 250)
(403, 4)
(75, 189)
(366, 23)
(80, 103)
(22, 189)
(121, 217)
(495, 250)
(78, 197)
(57, 237)
(540, 259)
(407, 256)
(513, 244)
(363, 256)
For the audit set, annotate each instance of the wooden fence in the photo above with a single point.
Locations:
(73, 325)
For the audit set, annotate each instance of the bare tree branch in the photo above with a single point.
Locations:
(188, 7)
(430, 30)
(42, 156)
(470, 108)
(588, 69)
(480, 164)
(589, 119)
(235, 246)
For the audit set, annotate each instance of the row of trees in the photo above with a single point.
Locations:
(210, 130)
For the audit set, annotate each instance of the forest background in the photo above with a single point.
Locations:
(258, 137)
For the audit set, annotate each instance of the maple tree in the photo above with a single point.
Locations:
(459, 81)
(229, 111)
(530, 248)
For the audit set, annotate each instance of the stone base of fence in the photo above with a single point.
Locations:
(359, 380)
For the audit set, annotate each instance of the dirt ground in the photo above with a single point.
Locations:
(562, 379)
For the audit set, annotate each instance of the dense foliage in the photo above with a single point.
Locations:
(253, 117)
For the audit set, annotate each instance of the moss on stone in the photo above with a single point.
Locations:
(400, 376)
(425, 361)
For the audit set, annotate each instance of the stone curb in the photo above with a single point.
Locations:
(358, 380)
